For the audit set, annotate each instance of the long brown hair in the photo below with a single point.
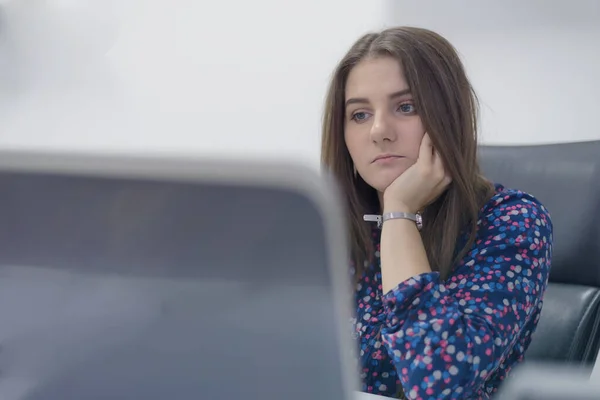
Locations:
(448, 107)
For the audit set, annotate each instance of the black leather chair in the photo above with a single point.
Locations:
(566, 179)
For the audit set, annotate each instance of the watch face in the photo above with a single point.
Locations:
(419, 222)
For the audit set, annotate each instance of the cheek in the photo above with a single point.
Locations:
(354, 146)
(413, 139)
(416, 146)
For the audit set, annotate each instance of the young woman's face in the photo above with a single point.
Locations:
(383, 131)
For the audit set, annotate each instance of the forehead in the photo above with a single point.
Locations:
(375, 77)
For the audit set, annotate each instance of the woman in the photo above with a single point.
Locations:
(450, 287)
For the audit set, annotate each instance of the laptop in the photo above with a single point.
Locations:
(153, 278)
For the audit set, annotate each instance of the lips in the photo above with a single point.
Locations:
(386, 157)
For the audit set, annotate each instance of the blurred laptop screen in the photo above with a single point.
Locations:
(150, 289)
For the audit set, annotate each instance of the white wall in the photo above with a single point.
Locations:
(229, 77)
(533, 63)
(248, 78)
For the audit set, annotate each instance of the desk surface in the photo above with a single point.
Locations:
(366, 396)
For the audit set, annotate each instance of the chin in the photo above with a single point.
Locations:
(381, 182)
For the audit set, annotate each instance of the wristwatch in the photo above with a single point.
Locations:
(380, 219)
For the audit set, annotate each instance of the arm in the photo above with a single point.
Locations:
(446, 338)
(401, 251)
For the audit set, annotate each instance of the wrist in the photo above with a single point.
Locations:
(396, 206)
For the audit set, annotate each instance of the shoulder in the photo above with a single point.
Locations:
(512, 210)
(515, 228)
(513, 244)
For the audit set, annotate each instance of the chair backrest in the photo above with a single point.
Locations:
(566, 179)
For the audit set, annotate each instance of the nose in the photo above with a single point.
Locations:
(382, 129)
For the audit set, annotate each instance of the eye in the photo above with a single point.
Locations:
(360, 116)
(407, 108)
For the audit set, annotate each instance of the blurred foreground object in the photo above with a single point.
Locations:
(153, 278)
(537, 381)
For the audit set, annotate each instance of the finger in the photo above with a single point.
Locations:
(441, 187)
(426, 150)
(438, 165)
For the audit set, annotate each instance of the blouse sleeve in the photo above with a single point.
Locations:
(445, 338)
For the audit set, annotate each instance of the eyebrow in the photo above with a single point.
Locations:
(362, 100)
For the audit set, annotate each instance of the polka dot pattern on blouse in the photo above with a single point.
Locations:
(458, 339)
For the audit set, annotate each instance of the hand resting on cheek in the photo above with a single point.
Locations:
(420, 185)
